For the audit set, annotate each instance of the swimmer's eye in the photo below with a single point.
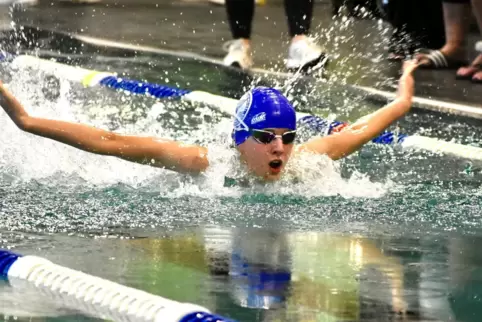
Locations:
(266, 137)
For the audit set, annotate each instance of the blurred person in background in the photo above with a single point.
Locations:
(302, 53)
(452, 55)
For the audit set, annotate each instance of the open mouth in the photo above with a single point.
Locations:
(275, 164)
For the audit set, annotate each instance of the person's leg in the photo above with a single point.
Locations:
(303, 53)
(477, 10)
(456, 17)
(240, 15)
(456, 21)
(299, 14)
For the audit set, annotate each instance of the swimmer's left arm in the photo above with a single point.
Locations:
(342, 144)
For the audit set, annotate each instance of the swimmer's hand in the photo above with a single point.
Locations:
(407, 82)
(409, 66)
(353, 137)
(145, 150)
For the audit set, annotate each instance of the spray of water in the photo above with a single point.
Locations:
(27, 157)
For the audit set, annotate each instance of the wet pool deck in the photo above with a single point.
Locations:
(357, 48)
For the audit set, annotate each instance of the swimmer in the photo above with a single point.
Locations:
(264, 133)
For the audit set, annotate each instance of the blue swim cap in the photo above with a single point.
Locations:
(262, 108)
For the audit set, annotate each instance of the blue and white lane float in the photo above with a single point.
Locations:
(95, 296)
(225, 105)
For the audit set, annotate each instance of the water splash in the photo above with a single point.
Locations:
(27, 157)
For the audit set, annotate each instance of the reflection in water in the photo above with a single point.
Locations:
(285, 276)
(451, 287)
(268, 275)
(328, 273)
(465, 271)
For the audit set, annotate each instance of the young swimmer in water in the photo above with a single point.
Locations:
(264, 133)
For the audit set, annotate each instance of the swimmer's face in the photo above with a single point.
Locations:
(267, 160)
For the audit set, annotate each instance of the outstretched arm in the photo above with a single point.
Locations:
(350, 139)
(145, 150)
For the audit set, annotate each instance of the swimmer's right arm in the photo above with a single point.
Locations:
(145, 150)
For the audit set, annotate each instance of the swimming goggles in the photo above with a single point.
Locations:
(266, 137)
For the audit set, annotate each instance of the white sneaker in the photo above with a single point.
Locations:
(478, 46)
(19, 2)
(304, 53)
(239, 55)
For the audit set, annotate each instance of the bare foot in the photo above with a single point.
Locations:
(467, 72)
(477, 78)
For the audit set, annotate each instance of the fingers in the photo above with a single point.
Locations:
(410, 65)
(420, 58)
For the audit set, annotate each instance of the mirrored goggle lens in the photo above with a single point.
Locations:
(266, 137)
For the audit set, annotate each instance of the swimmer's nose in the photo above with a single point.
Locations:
(277, 146)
